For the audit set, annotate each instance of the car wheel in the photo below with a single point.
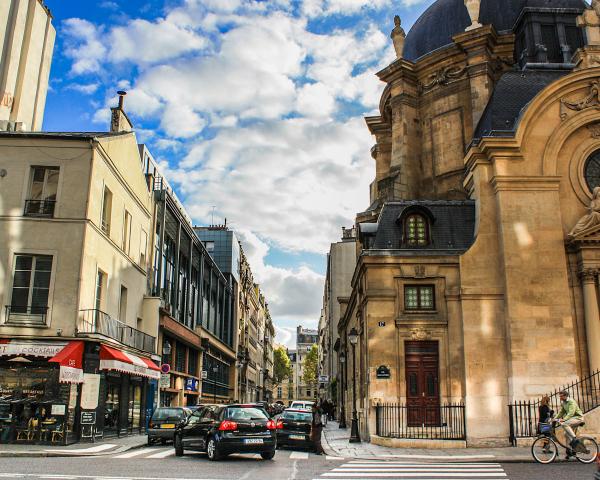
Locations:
(211, 450)
(163, 441)
(178, 446)
(150, 440)
(268, 455)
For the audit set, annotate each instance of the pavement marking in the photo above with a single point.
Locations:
(439, 457)
(91, 477)
(163, 453)
(299, 455)
(427, 465)
(135, 453)
(413, 475)
(332, 457)
(97, 448)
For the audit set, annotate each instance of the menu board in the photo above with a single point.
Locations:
(90, 391)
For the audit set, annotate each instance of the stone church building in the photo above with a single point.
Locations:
(477, 279)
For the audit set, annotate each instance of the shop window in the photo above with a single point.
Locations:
(106, 210)
(416, 231)
(419, 297)
(31, 286)
(43, 187)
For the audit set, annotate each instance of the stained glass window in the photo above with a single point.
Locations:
(592, 171)
(417, 234)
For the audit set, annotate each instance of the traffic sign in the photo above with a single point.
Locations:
(165, 380)
(165, 368)
(323, 378)
(204, 374)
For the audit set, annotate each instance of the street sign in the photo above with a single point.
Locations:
(165, 368)
(165, 380)
(323, 378)
(204, 374)
(383, 372)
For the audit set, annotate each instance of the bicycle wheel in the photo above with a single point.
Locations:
(591, 450)
(544, 450)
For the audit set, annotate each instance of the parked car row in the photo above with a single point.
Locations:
(221, 430)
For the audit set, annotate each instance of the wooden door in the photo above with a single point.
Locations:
(422, 384)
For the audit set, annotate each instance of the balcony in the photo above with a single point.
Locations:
(25, 315)
(39, 208)
(97, 322)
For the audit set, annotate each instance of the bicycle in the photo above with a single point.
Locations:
(545, 448)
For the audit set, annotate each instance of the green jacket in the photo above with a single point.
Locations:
(569, 409)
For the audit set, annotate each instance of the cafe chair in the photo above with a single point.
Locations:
(58, 433)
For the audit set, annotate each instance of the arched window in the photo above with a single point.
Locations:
(416, 230)
(592, 171)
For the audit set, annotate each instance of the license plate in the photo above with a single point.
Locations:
(167, 425)
(297, 437)
(253, 441)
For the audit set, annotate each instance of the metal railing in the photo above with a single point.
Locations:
(39, 208)
(446, 422)
(98, 322)
(524, 415)
(19, 314)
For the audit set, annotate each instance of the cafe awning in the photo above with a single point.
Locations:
(70, 360)
(120, 361)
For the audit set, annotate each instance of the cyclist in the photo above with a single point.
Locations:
(570, 417)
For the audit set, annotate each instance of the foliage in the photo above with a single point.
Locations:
(282, 366)
(310, 366)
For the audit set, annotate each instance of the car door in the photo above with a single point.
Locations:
(192, 432)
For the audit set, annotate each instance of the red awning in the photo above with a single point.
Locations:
(114, 359)
(70, 360)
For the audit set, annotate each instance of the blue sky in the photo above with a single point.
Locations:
(254, 107)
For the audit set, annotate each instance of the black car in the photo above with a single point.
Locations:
(225, 429)
(294, 428)
(164, 422)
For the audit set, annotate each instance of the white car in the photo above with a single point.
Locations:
(302, 405)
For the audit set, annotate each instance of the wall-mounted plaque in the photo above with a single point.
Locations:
(383, 372)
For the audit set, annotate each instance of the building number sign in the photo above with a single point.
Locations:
(381, 324)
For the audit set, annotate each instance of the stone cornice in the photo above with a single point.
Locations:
(377, 125)
(399, 70)
(514, 183)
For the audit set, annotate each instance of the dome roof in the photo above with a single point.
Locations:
(445, 18)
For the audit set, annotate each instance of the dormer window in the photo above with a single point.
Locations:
(416, 230)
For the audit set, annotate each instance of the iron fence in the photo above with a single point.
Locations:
(96, 321)
(524, 415)
(444, 422)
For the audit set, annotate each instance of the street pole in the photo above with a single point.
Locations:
(342, 394)
(354, 434)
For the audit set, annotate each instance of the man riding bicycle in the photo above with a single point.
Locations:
(570, 417)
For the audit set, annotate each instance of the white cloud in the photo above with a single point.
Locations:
(83, 45)
(86, 89)
(316, 8)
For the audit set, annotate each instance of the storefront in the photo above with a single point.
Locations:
(35, 407)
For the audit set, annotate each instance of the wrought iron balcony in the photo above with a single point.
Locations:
(39, 208)
(94, 321)
(26, 314)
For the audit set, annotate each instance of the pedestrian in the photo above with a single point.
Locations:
(316, 429)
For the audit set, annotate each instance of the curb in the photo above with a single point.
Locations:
(63, 454)
(329, 450)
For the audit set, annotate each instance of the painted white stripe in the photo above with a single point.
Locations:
(331, 457)
(434, 470)
(441, 457)
(95, 477)
(461, 475)
(135, 453)
(424, 465)
(163, 453)
(389, 462)
(299, 456)
(97, 448)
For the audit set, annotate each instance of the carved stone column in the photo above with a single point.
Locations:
(592, 316)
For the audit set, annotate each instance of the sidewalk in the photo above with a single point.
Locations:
(335, 443)
(103, 447)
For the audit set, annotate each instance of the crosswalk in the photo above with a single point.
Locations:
(415, 471)
(163, 453)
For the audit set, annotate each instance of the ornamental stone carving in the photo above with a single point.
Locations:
(594, 130)
(398, 36)
(592, 100)
(419, 334)
(588, 275)
(590, 21)
(443, 77)
(473, 7)
(590, 220)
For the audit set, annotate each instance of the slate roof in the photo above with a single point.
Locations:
(63, 135)
(446, 18)
(452, 227)
(512, 94)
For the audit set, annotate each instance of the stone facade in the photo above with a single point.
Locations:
(511, 313)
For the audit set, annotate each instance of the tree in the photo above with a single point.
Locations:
(282, 367)
(310, 366)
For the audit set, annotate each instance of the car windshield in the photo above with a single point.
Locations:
(298, 416)
(167, 413)
(245, 413)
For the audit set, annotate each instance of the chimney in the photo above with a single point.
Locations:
(119, 121)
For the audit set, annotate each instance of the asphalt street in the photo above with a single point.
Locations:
(157, 463)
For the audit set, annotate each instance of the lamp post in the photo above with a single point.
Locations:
(342, 357)
(215, 369)
(354, 435)
(166, 351)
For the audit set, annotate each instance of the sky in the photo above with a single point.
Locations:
(254, 108)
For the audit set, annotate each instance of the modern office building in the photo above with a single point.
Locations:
(27, 43)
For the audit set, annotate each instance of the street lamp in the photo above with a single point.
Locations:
(342, 357)
(354, 435)
(215, 369)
